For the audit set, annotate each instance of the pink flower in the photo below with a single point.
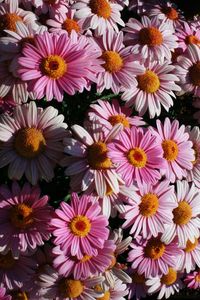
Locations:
(32, 142)
(190, 257)
(52, 8)
(58, 63)
(137, 156)
(137, 288)
(79, 228)
(187, 35)
(178, 152)
(3, 294)
(24, 219)
(192, 280)
(116, 292)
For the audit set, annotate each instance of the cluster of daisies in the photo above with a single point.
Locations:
(130, 227)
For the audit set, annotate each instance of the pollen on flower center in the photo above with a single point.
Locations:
(170, 277)
(118, 119)
(21, 216)
(8, 22)
(113, 61)
(170, 12)
(137, 157)
(106, 296)
(70, 24)
(192, 39)
(182, 213)
(170, 149)
(150, 36)
(19, 295)
(191, 246)
(71, 288)
(137, 278)
(197, 277)
(97, 156)
(85, 258)
(53, 66)
(154, 248)
(149, 205)
(101, 8)
(29, 142)
(148, 82)
(80, 226)
(6, 261)
(194, 74)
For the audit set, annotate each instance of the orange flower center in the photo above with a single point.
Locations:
(19, 295)
(191, 246)
(139, 279)
(170, 277)
(194, 74)
(192, 39)
(113, 61)
(148, 82)
(154, 248)
(137, 157)
(149, 205)
(182, 213)
(97, 156)
(170, 149)
(6, 261)
(197, 277)
(101, 8)
(106, 296)
(85, 258)
(53, 66)
(70, 24)
(170, 12)
(21, 216)
(71, 288)
(80, 226)
(109, 190)
(8, 22)
(150, 36)
(118, 119)
(29, 142)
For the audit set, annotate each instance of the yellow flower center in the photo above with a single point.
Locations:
(197, 277)
(21, 216)
(192, 39)
(71, 288)
(85, 258)
(194, 74)
(106, 296)
(170, 12)
(149, 205)
(137, 157)
(80, 226)
(154, 248)
(8, 22)
(170, 149)
(70, 24)
(6, 261)
(101, 8)
(19, 295)
(148, 82)
(182, 213)
(29, 142)
(170, 277)
(113, 61)
(118, 119)
(53, 66)
(139, 279)
(150, 36)
(97, 156)
(191, 246)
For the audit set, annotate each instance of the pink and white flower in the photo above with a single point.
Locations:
(56, 7)
(190, 257)
(187, 35)
(192, 280)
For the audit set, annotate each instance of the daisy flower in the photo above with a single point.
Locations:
(192, 280)
(187, 35)
(7, 104)
(58, 64)
(137, 155)
(150, 209)
(111, 113)
(79, 228)
(188, 70)
(152, 39)
(153, 257)
(99, 15)
(32, 142)
(89, 165)
(137, 288)
(3, 295)
(117, 292)
(119, 64)
(178, 152)
(55, 7)
(11, 269)
(61, 288)
(186, 221)
(153, 88)
(24, 219)
(196, 104)
(167, 284)
(67, 265)
(190, 257)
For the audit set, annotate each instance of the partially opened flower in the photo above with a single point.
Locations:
(190, 257)
(187, 35)
(192, 280)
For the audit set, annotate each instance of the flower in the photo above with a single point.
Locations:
(137, 155)
(188, 70)
(24, 219)
(153, 257)
(178, 152)
(190, 257)
(32, 142)
(187, 35)
(149, 209)
(153, 88)
(55, 7)
(7, 104)
(117, 292)
(119, 64)
(152, 39)
(99, 15)
(186, 221)
(137, 288)
(192, 280)
(80, 229)
(3, 294)
(57, 64)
